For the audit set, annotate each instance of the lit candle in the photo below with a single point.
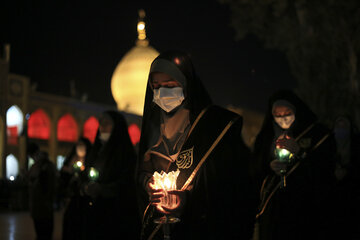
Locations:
(283, 155)
(93, 174)
(78, 166)
(166, 182)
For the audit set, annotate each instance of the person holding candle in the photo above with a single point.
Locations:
(296, 189)
(42, 180)
(71, 176)
(183, 131)
(110, 167)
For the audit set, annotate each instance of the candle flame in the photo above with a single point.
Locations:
(167, 182)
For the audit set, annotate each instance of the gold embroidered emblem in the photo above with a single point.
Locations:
(305, 142)
(185, 159)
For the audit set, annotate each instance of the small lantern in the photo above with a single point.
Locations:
(93, 174)
(78, 166)
(166, 182)
(283, 155)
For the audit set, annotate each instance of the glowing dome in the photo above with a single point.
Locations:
(128, 82)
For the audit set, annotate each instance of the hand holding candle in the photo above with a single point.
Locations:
(163, 193)
(288, 143)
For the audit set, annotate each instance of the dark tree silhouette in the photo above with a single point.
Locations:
(321, 40)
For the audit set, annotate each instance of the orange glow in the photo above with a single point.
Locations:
(167, 182)
(67, 129)
(39, 125)
(177, 61)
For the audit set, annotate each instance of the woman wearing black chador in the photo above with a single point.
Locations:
(182, 131)
(293, 166)
(111, 211)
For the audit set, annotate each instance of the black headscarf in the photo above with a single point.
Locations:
(72, 153)
(178, 65)
(114, 152)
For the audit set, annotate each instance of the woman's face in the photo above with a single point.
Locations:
(106, 124)
(81, 149)
(282, 111)
(283, 116)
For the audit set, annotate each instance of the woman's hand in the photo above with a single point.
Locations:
(154, 194)
(177, 208)
(288, 143)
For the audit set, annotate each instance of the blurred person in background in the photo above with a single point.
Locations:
(71, 179)
(42, 178)
(111, 209)
(347, 173)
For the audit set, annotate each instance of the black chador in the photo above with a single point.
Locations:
(204, 143)
(111, 209)
(300, 209)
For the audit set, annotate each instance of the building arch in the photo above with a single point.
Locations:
(2, 144)
(67, 128)
(39, 125)
(14, 124)
(12, 167)
(90, 128)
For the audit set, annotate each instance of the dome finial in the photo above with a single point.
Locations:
(142, 41)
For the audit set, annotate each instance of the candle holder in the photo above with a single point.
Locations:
(284, 156)
(93, 174)
(166, 182)
(78, 166)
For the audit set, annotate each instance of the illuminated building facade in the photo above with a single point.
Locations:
(53, 122)
(128, 82)
(56, 122)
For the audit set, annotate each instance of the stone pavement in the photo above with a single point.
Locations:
(16, 225)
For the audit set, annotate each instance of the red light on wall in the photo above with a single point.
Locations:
(134, 133)
(39, 125)
(90, 128)
(67, 129)
(12, 135)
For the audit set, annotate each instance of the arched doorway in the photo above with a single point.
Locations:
(14, 124)
(2, 143)
(39, 125)
(91, 126)
(67, 129)
(12, 167)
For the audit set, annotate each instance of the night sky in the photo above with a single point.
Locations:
(56, 43)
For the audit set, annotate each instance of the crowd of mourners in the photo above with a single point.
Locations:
(300, 179)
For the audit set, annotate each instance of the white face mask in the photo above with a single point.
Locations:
(168, 98)
(104, 136)
(285, 122)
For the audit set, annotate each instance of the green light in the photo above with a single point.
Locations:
(283, 155)
(93, 174)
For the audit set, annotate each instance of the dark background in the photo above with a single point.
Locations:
(55, 43)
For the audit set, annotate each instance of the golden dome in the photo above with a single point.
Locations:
(128, 82)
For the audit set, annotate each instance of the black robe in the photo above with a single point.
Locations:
(348, 190)
(70, 188)
(114, 211)
(304, 208)
(221, 203)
